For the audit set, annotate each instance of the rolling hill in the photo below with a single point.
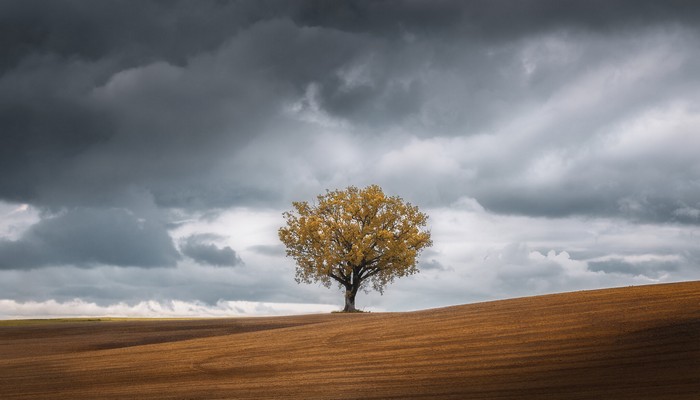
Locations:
(628, 343)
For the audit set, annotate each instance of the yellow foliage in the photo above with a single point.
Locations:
(355, 236)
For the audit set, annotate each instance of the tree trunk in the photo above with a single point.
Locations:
(350, 300)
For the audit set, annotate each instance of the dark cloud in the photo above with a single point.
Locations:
(156, 123)
(486, 19)
(198, 248)
(90, 237)
(170, 31)
(164, 104)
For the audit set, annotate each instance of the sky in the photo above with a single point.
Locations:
(149, 148)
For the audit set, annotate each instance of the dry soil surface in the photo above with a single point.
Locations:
(628, 343)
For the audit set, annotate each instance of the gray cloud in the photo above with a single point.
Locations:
(268, 250)
(89, 237)
(652, 269)
(197, 248)
(188, 281)
(432, 264)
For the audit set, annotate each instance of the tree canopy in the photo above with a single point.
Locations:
(358, 238)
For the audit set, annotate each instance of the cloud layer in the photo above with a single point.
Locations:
(151, 309)
(86, 237)
(179, 132)
(565, 109)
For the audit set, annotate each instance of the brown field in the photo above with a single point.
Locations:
(629, 343)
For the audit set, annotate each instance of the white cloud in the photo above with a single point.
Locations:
(16, 218)
(657, 133)
(77, 308)
(239, 227)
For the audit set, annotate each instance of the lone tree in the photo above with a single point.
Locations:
(355, 237)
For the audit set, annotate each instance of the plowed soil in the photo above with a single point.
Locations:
(628, 343)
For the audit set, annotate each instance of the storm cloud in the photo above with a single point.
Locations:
(89, 237)
(132, 130)
(198, 248)
(169, 104)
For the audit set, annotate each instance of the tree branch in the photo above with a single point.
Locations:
(338, 279)
(367, 272)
